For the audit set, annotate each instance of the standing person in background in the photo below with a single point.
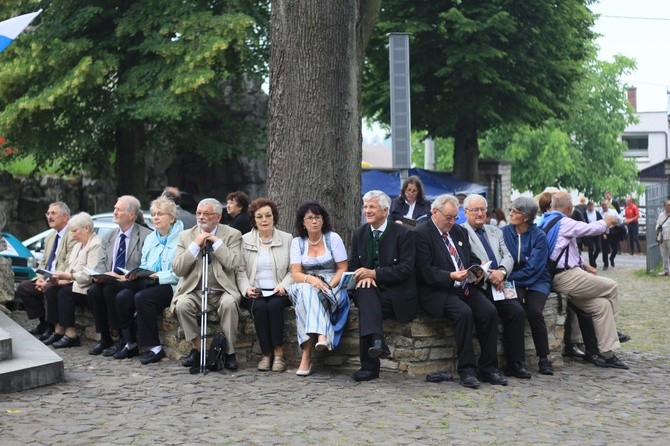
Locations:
(592, 242)
(610, 240)
(237, 205)
(614, 203)
(498, 218)
(411, 203)
(664, 223)
(632, 220)
(188, 219)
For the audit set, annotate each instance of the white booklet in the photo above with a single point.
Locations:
(508, 292)
(347, 281)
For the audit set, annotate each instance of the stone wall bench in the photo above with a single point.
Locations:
(418, 347)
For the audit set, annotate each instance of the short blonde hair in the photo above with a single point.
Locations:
(164, 204)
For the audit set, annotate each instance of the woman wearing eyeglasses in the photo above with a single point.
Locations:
(318, 260)
(528, 245)
(263, 278)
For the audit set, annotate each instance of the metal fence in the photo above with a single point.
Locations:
(655, 200)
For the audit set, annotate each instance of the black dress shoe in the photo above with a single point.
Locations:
(469, 380)
(379, 349)
(99, 347)
(39, 329)
(152, 357)
(546, 367)
(517, 370)
(126, 352)
(230, 362)
(573, 351)
(112, 349)
(365, 375)
(192, 359)
(623, 337)
(47, 333)
(495, 378)
(66, 342)
(54, 337)
(614, 362)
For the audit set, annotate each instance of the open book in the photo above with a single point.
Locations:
(46, 274)
(476, 272)
(138, 272)
(100, 276)
(508, 292)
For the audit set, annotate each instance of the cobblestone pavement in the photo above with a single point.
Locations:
(107, 401)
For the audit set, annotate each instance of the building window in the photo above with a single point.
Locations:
(638, 146)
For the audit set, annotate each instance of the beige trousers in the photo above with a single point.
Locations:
(598, 296)
(187, 311)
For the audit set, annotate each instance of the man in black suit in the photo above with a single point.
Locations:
(443, 254)
(382, 258)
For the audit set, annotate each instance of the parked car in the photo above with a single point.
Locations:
(108, 217)
(35, 244)
(22, 259)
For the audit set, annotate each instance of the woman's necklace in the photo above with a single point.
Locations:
(316, 242)
(265, 242)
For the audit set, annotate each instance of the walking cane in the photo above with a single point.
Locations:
(204, 292)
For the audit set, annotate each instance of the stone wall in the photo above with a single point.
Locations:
(418, 347)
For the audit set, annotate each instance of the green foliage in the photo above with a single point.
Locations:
(92, 68)
(476, 65)
(444, 152)
(583, 151)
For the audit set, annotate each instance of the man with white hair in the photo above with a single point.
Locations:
(224, 244)
(382, 258)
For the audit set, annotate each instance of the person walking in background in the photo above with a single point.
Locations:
(610, 240)
(592, 242)
(663, 222)
(632, 219)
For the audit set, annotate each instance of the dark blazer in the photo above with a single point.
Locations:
(434, 264)
(395, 274)
(398, 210)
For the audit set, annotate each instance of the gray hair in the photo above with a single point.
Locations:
(216, 204)
(527, 207)
(80, 221)
(443, 199)
(133, 204)
(561, 201)
(62, 207)
(384, 200)
(471, 197)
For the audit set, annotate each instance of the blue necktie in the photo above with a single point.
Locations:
(487, 246)
(120, 261)
(52, 254)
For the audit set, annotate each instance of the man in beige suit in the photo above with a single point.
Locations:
(57, 248)
(223, 297)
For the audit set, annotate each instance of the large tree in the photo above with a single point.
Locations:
(583, 151)
(314, 151)
(101, 83)
(477, 64)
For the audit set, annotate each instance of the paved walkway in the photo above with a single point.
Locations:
(107, 401)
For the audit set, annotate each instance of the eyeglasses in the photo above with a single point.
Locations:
(261, 217)
(448, 217)
(476, 210)
(313, 218)
(205, 214)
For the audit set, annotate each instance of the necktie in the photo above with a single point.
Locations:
(52, 254)
(376, 234)
(120, 261)
(487, 247)
(459, 262)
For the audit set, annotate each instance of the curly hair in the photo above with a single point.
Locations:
(315, 208)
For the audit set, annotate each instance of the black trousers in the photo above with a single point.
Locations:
(468, 312)
(61, 302)
(513, 319)
(373, 308)
(585, 321)
(633, 239)
(146, 304)
(268, 313)
(533, 303)
(593, 245)
(102, 300)
(610, 245)
(32, 298)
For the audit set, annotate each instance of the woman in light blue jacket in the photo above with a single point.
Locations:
(150, 292)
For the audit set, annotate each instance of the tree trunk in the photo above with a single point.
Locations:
(466, 150)
(314, 128)
(130, 164)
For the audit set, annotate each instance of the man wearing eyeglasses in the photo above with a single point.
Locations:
(443, 255)
(488, 244)
(223, 297)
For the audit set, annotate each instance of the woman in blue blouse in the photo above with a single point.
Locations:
(528, 245)
(149, 296)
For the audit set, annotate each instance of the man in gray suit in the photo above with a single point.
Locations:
(224, 246)
(57, 248)
(488, 245)
(121, 248)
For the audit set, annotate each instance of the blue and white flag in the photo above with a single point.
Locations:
(11, 28)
